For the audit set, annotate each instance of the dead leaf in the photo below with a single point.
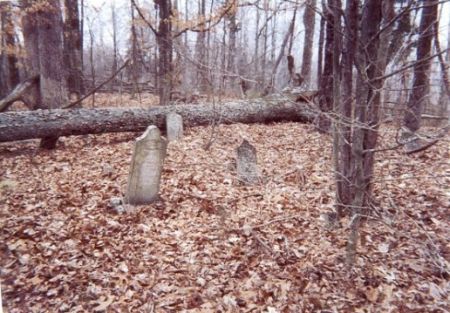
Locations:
(372, 294)
(383, 247)
(103, 303)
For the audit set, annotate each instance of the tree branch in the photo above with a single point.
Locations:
(70, 105)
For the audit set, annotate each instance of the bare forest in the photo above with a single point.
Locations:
(224, 156)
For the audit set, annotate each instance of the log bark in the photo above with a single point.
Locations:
(58, 122)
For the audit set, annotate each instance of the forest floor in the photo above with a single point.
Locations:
(212, 244)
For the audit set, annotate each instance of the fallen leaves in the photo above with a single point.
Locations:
(211, 244)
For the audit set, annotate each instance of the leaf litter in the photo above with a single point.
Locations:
(211, 244)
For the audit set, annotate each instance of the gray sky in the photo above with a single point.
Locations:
(104, 13)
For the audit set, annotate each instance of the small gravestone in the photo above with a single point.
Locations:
(146, 167)
(174, 126)
(246, 164)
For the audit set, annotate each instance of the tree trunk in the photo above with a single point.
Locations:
(344, 187)
(281, 54)
(43, 123)
(82, 34)
(326, 83)
(165, 46)
(366, 118)
(444, 95)
(9, 72)
(309, 19)
(257, 39)
(202, 81)
(43, 37)
(403, 27)
(231, 65)
(265, 43)
(134, 55)
(338, 120)
(379, 61)
(421, 83)
(320, 47)
(72, 48)
(366, 109)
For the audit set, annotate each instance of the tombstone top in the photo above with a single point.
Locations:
(151, 133)
(247, 150)
(174, 125)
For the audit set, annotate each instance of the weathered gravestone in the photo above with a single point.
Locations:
(174, 126)
(246, 164)
(146, 167)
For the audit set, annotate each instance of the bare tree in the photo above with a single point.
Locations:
(326, 83)
(234, 27)
(321, 44)
(309, 19)
(344, 154)
(289, 34)
(114, 33)
(366, 116)
(134, 53)
(201, 48)
(420, 90)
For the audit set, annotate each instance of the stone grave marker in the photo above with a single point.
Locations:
(146, 167)
(174, 126)
(246, 164)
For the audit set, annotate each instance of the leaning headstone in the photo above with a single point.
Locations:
(246, 164)
(174, 126)
(146, 167)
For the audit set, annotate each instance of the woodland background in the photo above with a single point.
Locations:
(352, 210)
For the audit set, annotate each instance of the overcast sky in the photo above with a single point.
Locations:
(104, 16)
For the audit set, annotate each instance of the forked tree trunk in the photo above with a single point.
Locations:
(281, 54)
(366, 117)
(43, 37)
(366, 110)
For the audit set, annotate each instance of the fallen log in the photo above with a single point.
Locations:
(21, 92)
(43, 123)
